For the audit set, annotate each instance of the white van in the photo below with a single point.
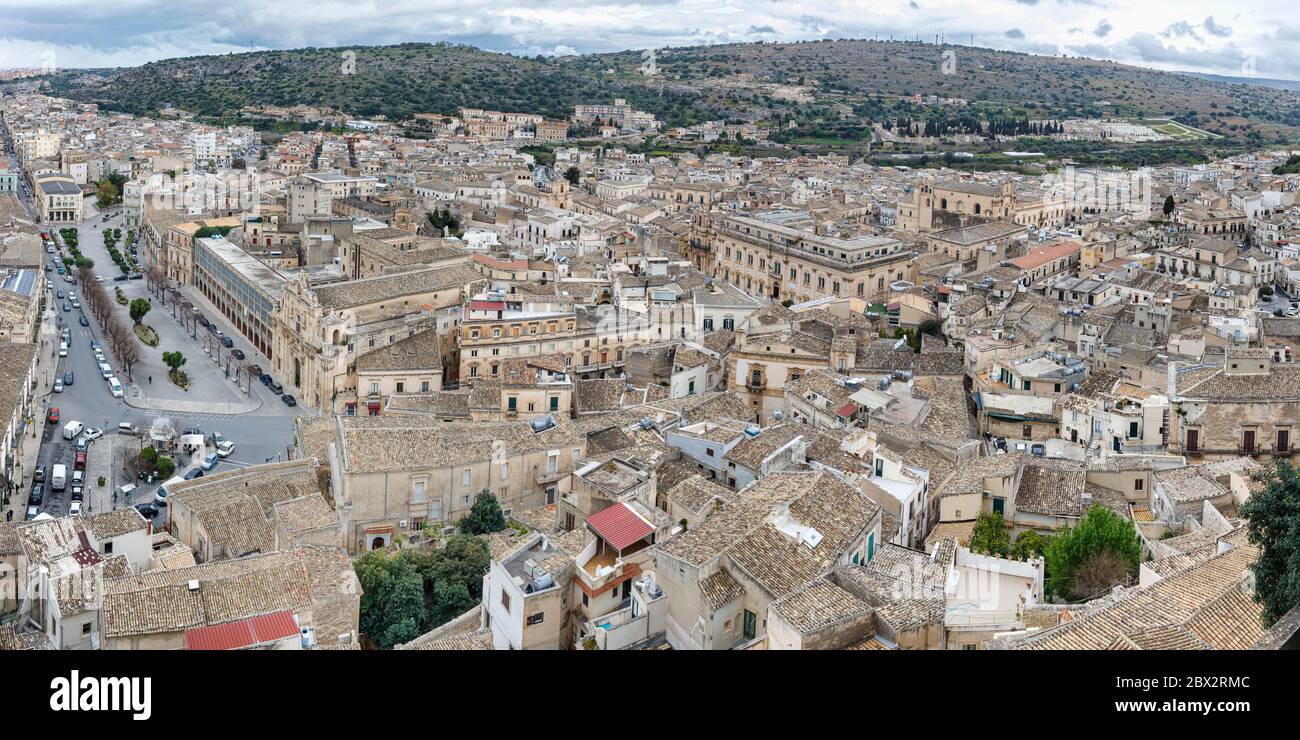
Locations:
(59, 477)
(73, 429)
(160, 496)
(115, 387)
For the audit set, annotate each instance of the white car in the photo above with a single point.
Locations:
(99, 278)
(58, 385)
(115, 388)
(93, 434)
(225, 448)
(63, 349)
(74, 509)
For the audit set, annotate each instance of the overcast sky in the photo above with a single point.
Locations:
(1239, 38)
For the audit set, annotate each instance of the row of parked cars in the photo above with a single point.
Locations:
(238, 354)
(58, 477)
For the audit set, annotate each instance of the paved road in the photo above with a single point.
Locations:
(24, 195)
(264, 429)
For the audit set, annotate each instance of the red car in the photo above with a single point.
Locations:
(53, 416)
(79, 461)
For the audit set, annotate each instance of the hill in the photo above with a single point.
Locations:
(693, 83)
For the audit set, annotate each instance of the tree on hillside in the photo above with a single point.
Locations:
(140, 307)
(485, 516)
(1273, 524)
(1169, 205)
(990, 535)
(1075, 552)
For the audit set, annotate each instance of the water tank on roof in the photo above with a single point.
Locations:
(885, 383)
(544, 423)
(541, 583)
(647, 423)
(753, 430)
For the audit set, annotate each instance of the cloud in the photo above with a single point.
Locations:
(1179, 30)
(87, 33)
(1215, 29)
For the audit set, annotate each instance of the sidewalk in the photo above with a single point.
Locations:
(137, 400)
(34, 434)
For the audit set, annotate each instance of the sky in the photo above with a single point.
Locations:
(1242, 38)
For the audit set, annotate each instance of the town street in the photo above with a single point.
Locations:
(255, 419)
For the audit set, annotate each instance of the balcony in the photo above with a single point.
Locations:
(756, 385)
(543, 477)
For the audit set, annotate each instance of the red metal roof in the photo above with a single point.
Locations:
(243, 633)
(847, 409)
(619, 525)
(486, 305)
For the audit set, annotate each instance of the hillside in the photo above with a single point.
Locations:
(694, 83)
(396, 81)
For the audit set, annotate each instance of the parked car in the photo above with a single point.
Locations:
(58, 385)
(67, 378)
(211, 461)
(203, 322)
(38, 475)
(127, 427)
(78, 491)
(33, 512)
(266, 379)
(37, 494)
(63, 349)
(193, 430)
(93, 434)
(120, 278)
(53, 416)
(115, 388)
(83, 321)
(137, 276)
(148, 511)
(289, 400)
(67, 307)
(78, 464)
(225, 448)
(1038, 450)
(195, 473)
(227, 342)
(238, 354)
(94, 344)
(276, 388)
(74, 508)
(59, 294)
